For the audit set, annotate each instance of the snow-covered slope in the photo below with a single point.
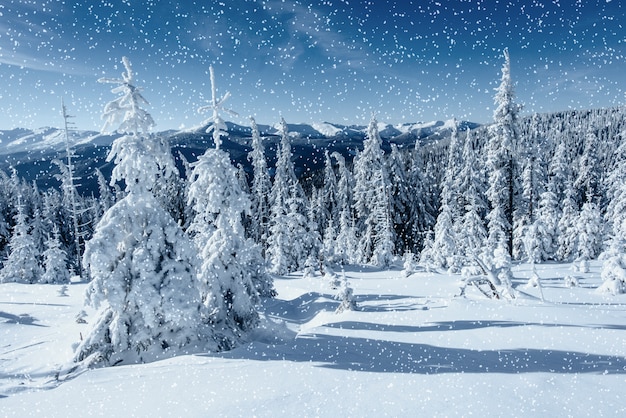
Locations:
(411, 349)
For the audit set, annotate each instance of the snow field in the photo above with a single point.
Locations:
(411, 349)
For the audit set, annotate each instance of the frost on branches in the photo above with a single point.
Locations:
(230, 264)
(143, 266)
(125, 112)
(144, 284)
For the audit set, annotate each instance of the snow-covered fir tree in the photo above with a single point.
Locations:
(126, 113)
(22, 264)
(289, 243)
(588, 173)
(548, 214)
(328, 195)
(500, 161)
(216, 125)
(372, 200)
(567, 241)
(589, 232)
(445, 249)
(260, 189)
(345, 245)
(143, 266)
(472, 234)
(106, 198)
(55, 261)
(422, 200)
(401, 199)
(226, 283)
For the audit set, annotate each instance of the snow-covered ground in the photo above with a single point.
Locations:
(411, 349)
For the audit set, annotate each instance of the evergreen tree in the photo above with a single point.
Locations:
(345, 247)
(471, 236)
(288, 221)
(126, 112)
(500, 160)
(143, 266)
(372, 200)
(422, 200)
(588, 177)
(445, 245)
(22, 265)
(401, 199)
(548, 214)
(260, 190)
(226, 284)
(567, 227)
(55, 261)
(216, 125)
(589, 234)
(106, 198)
(328, 197)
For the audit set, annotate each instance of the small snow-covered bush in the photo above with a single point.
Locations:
(614, 275)
(346, 296)
(571, 281)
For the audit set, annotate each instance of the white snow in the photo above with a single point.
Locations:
(410, 349)
(326, 129)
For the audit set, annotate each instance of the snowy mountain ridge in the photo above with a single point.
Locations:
(31, 151)
(49, 138)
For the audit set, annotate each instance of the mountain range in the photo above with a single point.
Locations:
(31, 151)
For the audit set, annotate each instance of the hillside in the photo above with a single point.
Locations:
(412, 348)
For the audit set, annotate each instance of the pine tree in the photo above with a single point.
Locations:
(401, 199)
(260, 190)
(22, 265)
(500, 160)
(472, 235)
(216, 125)
(422, 201)
(445, 246)
(589, 234)
(567, 227)
(345, 246)
(226, 285)
(125, 113)
(372, 199)
(329, 214)
(288, 221)
(143, 266)
(55, 261)
(106, 198)
(588, 178)
(548, 214)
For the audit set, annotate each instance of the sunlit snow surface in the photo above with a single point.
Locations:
(411, 349)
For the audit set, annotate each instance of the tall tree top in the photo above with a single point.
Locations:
(126, 109)
(506, 110)
(217, 125)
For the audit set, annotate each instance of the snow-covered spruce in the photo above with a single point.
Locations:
(143, 270)
(372, 200)
(55, 261)
(230, 264)
(291, 240)
(22, 264)
(142, 265)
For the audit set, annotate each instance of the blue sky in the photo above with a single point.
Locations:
(336, 61)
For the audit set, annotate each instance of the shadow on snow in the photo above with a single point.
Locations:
(372, 355)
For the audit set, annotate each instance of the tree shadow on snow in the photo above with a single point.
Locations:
(372, 355)
(301, 309)
(23, 319)
(456, 326)
(391, 303)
